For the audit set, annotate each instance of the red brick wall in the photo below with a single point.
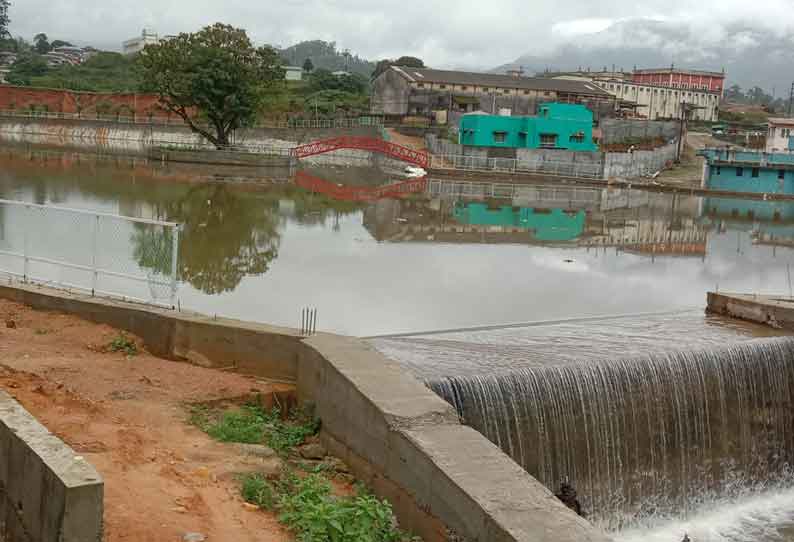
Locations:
(86, 103)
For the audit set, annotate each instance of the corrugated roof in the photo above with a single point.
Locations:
(779, 121)
(426, 75)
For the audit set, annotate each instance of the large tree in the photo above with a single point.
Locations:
(215, 72)
(42, 44)
(4, 19)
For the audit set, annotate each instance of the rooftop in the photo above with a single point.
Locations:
(778, 121)
(679, 70)
(426, 75)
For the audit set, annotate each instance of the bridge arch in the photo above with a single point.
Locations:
(400, 152)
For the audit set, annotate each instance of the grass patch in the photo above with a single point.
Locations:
(122, 343)
(253, 424)
(308, 507)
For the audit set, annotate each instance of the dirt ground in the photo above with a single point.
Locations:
(127, 416)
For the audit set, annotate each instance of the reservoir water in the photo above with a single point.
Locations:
(667, 420)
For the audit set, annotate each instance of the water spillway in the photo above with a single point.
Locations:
(648, 438)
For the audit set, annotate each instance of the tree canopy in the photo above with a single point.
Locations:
(324, 80)
(308, 66)
(406, 61)
(216, 72)
(41, 44)
(4, 19)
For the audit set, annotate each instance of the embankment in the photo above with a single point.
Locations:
(48, 493)
(398, 436)
(141, 139)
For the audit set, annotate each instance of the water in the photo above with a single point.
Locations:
(648, 439)
(658, 443)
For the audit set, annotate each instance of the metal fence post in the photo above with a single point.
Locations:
(95, 276)
(174, 262)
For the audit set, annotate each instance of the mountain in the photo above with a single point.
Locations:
(325, 55)
(750, 56)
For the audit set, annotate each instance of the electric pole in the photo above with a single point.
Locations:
(791, 99)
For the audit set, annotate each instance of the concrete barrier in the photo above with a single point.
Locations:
(774, 311)
(397, 436)
(47, 492)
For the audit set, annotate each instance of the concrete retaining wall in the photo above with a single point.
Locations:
(47, 492)
(627, 165)
(137, 139)
(621, 130)
(397, 435)
(777, 312)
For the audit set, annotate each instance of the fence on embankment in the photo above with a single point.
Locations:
(97, 253)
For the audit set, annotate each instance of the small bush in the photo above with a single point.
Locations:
(246, 425)
(259, 491)
(124, 344)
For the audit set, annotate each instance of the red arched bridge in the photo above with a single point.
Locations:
(406, 154)
(359, 193)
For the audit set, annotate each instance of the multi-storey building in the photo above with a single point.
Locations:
(136, 45)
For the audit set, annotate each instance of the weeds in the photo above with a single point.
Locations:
(252, 424)
(308, 507)
(124, 344)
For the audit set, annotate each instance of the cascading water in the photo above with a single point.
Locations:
(645, 440)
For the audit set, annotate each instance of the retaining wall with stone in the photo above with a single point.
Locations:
(47, 492)
(622, 130)
(398, 436)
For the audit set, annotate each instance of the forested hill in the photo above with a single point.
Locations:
(326, 56)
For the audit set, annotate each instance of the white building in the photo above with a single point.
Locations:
(780, 137)
(293, 73)
(136, 45)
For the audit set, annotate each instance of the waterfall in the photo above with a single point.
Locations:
(647, 438)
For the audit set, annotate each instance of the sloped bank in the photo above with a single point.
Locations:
(398, 436)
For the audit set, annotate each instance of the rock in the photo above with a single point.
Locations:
(249, 506)
(10, 324)
(337, 465)
(569, 498)
(257, 450)
(312, 450)
(194, 537)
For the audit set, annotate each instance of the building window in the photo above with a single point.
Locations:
(464, 88)
(485, 89)
(500, 137)
(526, 93)
(755, 172)
(548, 141)
(781, 174)
(719, 170)
(507, 91)
(577, 138)
(442, 87)
(547, 93)
(739, 172)
(421, 85)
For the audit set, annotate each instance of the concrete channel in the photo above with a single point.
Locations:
(398, 437)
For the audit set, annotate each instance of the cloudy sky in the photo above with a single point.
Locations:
(448, 33)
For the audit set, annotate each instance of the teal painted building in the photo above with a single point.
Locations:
(556, 126)
(748, 171)
(545, 224)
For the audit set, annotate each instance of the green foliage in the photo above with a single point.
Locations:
(103, 72)
(251, 424)
(27, 67)
(405, 61)
(41, 44)
(4, 19)
(122, 343)
(314, 514)
(308, 65)
(325, 55)
(324, 80)
(216, 71)
(258, 490)
(331, 102)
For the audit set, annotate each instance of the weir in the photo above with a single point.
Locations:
(648, 438)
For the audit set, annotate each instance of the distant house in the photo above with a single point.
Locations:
(748, 171)
(68, 55)
(401, 91)
(293, 73)
(556, 126)
(6, 61)
(780, 136)
(341, 73)
(136, 45)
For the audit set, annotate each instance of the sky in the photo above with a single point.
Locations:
(446, 34)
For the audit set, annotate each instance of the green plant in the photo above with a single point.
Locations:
(245, 425)
(258, 490)
(124, 344)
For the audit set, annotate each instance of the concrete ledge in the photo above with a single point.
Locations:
(405, 440)
(221, 343)
(774, 311)
(47, 492)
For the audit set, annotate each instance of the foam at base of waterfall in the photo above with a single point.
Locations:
(765, 517)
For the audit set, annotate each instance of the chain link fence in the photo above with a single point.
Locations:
(97, 253)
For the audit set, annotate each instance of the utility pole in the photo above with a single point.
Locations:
(681, 130)
(791, 99)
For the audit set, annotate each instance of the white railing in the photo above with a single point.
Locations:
(549, 168)
(98, 253)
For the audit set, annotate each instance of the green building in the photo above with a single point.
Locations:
(557, 126)
(549, 225)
